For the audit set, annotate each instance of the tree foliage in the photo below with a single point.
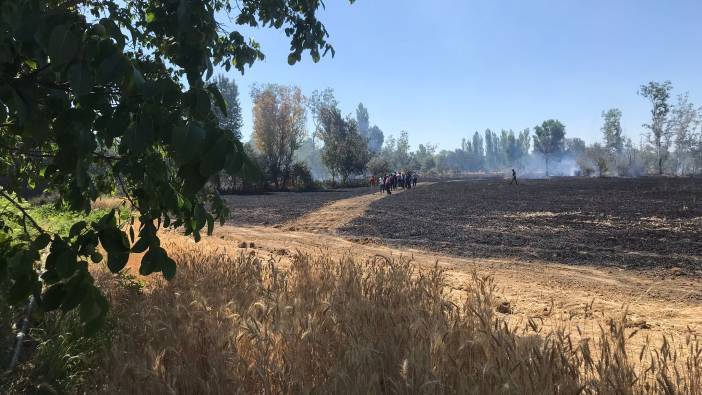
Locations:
(683, 123)
(378, 166)
(549, 139)
(279, 127)
(375, 139)
(658, 95)
(98, 96)
(345, 152)
(612, 130)
(232, 119)
(316, 103)
(363, 120)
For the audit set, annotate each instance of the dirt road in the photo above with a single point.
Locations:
(569, 295)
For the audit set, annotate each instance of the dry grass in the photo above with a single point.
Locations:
(242, 325)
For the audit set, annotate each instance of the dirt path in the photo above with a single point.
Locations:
(336, 215)
(585, 296)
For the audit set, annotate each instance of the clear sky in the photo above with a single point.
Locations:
(443, 69)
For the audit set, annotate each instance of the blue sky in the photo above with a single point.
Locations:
(443, 69)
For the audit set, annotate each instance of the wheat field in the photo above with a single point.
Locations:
(241, 324)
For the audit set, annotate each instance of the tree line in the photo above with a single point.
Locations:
(337, 147)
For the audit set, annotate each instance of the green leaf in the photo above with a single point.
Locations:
(136, 80)
(202, 105)
(117, 260)
(216, 157)
(188, 142)
(169, 268)
(53, 296)
(150, 16)
(114, 30)
(141, 245)
(210, 224)
(114, 240)
(3, 112)
(199, 216)
(41, 241)
(93, 310)
(235, 161)
(96, 257)
(66, 263)
(20, 290)
(114, 68)
(77, 228)
(219, 99)
(76, 290)
(63, 45)
(153, 261)
(96, 312)
(81, 79)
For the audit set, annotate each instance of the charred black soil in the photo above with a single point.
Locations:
(633, 223)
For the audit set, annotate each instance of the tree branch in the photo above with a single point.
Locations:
(125, 192)
(24, 212)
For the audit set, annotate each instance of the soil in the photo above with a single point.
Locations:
(277, 208)
(642, 223)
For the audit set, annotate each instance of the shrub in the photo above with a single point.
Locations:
(301, 176)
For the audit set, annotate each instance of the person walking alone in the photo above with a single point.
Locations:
(514, 178)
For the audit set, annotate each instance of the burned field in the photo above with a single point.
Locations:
(276, 208)
(634, 223)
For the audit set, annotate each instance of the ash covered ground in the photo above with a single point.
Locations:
(636, 223)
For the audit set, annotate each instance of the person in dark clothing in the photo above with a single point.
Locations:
(514, 178)
(414, 180)
(388, 185)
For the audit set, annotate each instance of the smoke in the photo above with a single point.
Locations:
(534, 166)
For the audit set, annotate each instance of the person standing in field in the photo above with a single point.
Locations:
(372, 183)
(514, 178)
(414, 180)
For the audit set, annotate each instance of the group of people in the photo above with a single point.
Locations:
(391, 182)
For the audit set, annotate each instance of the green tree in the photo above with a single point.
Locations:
(402, 151)
(492, 149)
(612, 130)
(345, 152)
(98, 96)
(378, 166)
(524, 142)
(279, 127)
(658, 95)
(375, 139)
(683, 123)
(363, 120)
(425, 156)
(316, 103)
(575, 146)
(478, 150)
(549, 139)
(231, 120)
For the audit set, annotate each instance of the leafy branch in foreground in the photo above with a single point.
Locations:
(105, 96)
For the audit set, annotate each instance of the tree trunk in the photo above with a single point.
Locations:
(546, 165)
